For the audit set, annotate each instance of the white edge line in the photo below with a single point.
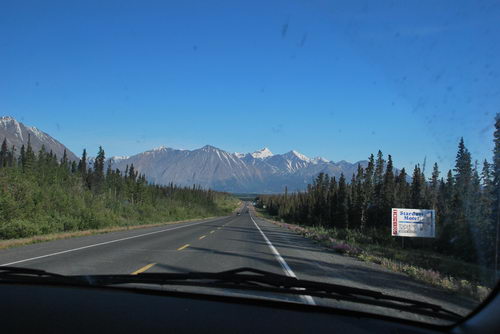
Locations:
(100, 244)
(286, 268)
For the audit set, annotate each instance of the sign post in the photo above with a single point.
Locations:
(413, 223)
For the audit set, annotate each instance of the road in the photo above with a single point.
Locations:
(222, 244)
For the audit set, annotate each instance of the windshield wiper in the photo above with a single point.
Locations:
(28, 275)
(16, 272)
(253, 279)
(241, 279)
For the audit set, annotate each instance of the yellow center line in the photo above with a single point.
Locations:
(185, 246)
(143, 269)
(212, 231)
(203, 236)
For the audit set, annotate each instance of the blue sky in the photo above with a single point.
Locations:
(338, 79)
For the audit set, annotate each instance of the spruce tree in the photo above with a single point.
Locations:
(22, 157)
(368, 189)
(341, 220)
(358, 199)
(4, 153)
(29, 157)
(496, 189)
(378, 180)
(388, 194)
(332, 200)
(82, 165)
(486, 206)
(434, 187)
(64, 160)
(379, 169)
(462, 204)
(417, 189)
(463, 171)
(11, 157)
(402, 197)
(96, 176)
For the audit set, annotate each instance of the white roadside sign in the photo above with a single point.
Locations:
(413, 223)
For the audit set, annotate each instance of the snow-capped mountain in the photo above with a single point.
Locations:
(262, 154)
(259, 172)
(210, 167)
(319, 160)
(17, 134)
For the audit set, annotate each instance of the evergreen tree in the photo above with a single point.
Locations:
(98, 173)
(64, 160)
(388, 195)
(496, 189)
(486, 207)
(462, 204)
(402, 197)
(109, 170)
(467, 203)
(445, 213)
(379, 169)
(341, 220)
(354, 212)
(30, 156)
(417, 189)
(463, 171)
(332, 200)
(132, 173)
(22, 157)
(356, 217)
(4, 154)
(434, 187)
(368, 189)
(11, 157)
(375, 212)
(82, 165)
(74, 167)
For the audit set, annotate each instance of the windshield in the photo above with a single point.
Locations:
(354, 143)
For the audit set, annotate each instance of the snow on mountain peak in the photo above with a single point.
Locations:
(157, 149)
(210, 148)
(38, 133)
(5, 119)
(318, 160)
(299, 156)
(239, 155)
(263, 153)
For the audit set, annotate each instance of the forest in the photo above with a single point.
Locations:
(466, 200)
(41, 193)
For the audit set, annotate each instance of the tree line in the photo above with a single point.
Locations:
(466, 200)
(41, 193)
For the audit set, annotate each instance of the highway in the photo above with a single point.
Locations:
(221, 244)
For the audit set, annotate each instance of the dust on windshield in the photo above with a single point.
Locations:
(355, 143)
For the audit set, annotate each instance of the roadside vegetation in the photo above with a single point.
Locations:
(354, 218)
(41, 194)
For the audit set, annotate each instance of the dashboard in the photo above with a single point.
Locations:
(65, 309)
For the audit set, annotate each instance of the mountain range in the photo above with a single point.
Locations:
(209, 166)
(17, 135)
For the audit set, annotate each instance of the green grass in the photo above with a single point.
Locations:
(10, 243)
(27, 232)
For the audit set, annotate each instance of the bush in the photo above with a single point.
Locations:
(18, 229)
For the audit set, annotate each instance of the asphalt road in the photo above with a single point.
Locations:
(222, 244)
